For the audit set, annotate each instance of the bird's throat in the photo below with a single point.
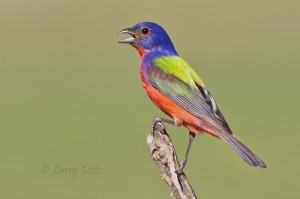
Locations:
(141, 50)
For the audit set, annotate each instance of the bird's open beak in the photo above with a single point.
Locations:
(129, 40)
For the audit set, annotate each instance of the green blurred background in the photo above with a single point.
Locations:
(71, 96)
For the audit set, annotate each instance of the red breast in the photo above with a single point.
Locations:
(191, 122)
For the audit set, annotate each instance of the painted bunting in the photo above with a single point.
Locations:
(175, 88)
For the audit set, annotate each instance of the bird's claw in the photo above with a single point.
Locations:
(156, 121)
(180, 170)
(181, 166)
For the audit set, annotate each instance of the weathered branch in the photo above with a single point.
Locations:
(163, 154)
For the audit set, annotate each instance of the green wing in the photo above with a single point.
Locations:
(173, 77)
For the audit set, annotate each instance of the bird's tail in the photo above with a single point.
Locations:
(246, 154)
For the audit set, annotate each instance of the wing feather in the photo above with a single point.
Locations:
(190, 93)
(194, 98)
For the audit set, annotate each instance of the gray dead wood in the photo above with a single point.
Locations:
(163, 154)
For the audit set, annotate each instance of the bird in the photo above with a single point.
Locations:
(177, 90)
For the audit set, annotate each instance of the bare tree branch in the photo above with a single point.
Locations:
(163, 154)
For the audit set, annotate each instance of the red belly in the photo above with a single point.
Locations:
(191, 122)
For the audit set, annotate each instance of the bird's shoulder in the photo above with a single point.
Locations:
(174, 77)
(178, 67)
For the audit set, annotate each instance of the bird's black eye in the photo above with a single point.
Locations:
(145, 31)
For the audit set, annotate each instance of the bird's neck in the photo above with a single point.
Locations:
(148, 55)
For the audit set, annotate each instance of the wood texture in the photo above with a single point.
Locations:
(163, 154)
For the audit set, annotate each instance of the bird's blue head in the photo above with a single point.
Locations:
(149, 37)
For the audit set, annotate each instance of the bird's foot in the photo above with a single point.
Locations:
(181, 166)
(158, 120)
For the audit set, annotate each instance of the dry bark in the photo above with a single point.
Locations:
(163, 154)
